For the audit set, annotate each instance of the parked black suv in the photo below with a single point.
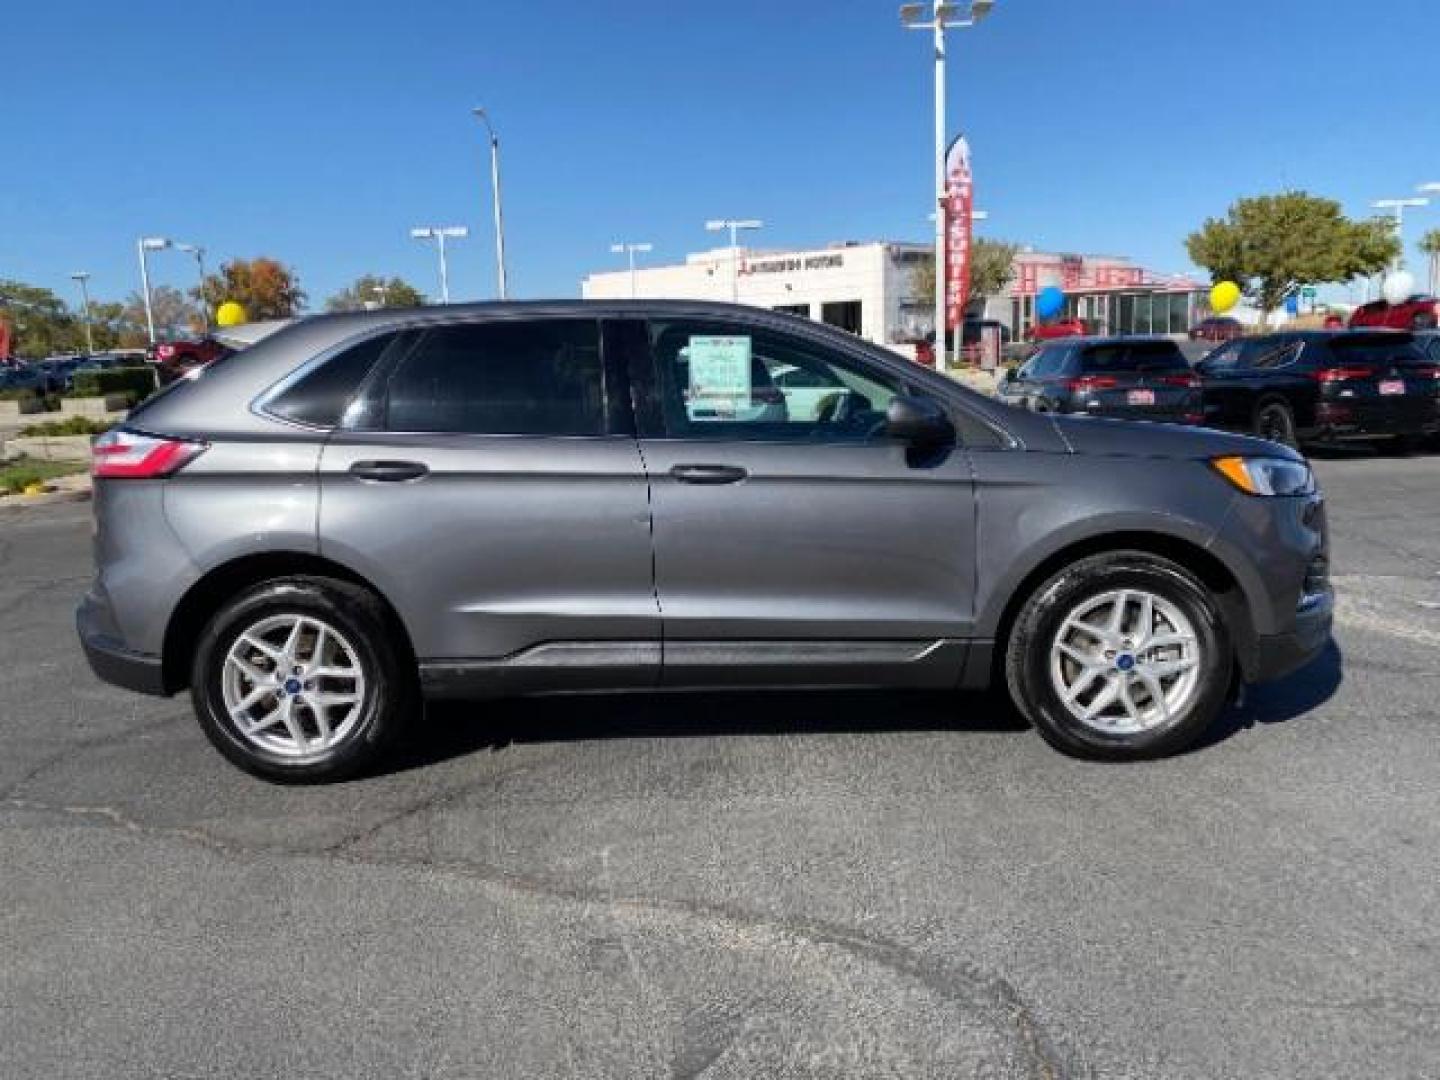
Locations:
(1132, 378)
(1308, 386)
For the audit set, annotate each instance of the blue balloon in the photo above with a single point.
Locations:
(1050, 302)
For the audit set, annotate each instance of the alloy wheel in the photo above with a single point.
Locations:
(293, 686)
(1125, 662)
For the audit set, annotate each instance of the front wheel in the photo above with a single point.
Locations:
(298, 680)
(1275, 422)
(1120, 656)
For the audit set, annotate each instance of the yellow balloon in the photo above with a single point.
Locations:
(1224, 296)
(230, 314)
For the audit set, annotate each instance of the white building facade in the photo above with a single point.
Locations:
(863, 288)
(868, 289)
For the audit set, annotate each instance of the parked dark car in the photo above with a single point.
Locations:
(1314, 386)
(175, 358)
(1130, 378)
(1216, 329)
(499, 499)
(22, 377)
(1416, 313)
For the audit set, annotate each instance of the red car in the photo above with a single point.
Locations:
(1417, 313)
(1061, 329)
(174, 358)
(1216, 329)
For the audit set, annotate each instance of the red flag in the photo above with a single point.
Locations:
(959, 206)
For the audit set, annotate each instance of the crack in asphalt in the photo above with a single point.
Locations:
(960, 983)
(98, 742)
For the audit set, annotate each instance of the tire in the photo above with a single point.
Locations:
(355, 662)
(1134, 725)
(1275, 422)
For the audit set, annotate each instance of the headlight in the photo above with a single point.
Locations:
(1266, 475)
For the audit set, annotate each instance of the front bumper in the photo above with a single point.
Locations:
(109, 659)
(1276, 655)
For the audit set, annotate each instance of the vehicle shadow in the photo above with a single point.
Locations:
(448, 730)
(455, 729)
(1283, 700)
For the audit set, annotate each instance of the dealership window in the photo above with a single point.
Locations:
(845, 314)
(520, 377)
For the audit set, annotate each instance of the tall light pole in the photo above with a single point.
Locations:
(1399, 206)
(631, 250)
(441, 233)
(735, 227)
(83, 278)
(484, 118)
(144, 244)
(942, 17)
(1432, 188)
(199, 253)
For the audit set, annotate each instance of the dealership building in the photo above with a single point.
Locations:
(867, 289)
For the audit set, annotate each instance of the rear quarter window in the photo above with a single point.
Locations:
(320, 396)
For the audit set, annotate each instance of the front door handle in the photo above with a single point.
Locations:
(708, 474)
(388, 471)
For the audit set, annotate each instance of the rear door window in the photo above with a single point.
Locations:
(1376, 352)
(513, 377)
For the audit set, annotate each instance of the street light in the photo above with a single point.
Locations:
(484, 118)
(1399, 206)
(144, 244)
(735, 227)
(631, 250)
(83, 277)
(941, 17)
(1432, 188)
(199, 253)
(441, 233)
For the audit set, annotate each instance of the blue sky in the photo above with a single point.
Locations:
(320, 132)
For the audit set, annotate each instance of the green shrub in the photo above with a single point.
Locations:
(134, 382)
(48, 402)
(16, 476)
(74, 425)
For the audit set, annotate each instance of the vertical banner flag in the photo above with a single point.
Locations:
(959, 204)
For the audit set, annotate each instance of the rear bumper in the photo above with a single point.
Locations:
(1338, 421)
(1276, 655)
(109, 659)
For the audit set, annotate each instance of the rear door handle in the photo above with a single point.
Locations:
(708, 474)
(388, 471)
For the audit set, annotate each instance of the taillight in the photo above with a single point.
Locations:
(1087, 383)
(128, 455)
(1344, 374)
(1188, 382)
(164, 352)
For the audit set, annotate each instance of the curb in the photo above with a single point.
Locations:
(50, 498)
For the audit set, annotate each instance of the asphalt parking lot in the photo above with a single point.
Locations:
(761, 885)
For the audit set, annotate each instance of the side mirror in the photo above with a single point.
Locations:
(918, 421)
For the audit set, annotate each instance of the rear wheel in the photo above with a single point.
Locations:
(297, 680)
(1120, 656)
(1274, 421)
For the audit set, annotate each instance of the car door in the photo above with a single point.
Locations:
(1226, 390)
(488, 481)
(795, 541)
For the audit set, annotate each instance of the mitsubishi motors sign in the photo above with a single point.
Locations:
(958, 208)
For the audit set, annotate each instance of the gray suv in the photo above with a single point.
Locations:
(367, 510)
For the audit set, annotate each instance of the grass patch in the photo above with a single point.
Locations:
(16, 476)
(73, 425)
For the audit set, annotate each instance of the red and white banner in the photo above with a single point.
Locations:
(959, 207)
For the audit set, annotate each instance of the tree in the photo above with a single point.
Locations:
(265, 288)
(1271, 243)
(371, 289)
(175, 316)
(42, 324)
(113, 326)
(992, 264)
(1430, 245)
